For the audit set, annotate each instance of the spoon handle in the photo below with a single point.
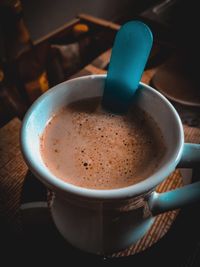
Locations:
(130, 52)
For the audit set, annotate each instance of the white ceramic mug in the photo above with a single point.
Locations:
(104, 221)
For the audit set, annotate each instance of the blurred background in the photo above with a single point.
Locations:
(43, 43)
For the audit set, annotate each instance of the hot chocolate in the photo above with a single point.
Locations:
(86, 146)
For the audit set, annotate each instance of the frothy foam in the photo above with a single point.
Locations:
(88, 147)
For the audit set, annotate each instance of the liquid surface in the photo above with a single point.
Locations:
(88, 147)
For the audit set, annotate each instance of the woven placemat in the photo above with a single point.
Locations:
(12, 175)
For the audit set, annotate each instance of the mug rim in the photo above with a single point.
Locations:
(119, 193)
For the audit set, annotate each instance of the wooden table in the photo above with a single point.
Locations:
(14, 192)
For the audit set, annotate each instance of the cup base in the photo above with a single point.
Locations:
(91, 240)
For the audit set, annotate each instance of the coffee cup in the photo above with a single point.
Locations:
(105, 221)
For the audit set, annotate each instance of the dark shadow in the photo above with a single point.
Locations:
(33, 189)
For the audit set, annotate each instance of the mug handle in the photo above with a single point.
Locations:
(181, 197)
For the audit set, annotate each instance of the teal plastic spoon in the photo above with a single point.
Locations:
(130, 53)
